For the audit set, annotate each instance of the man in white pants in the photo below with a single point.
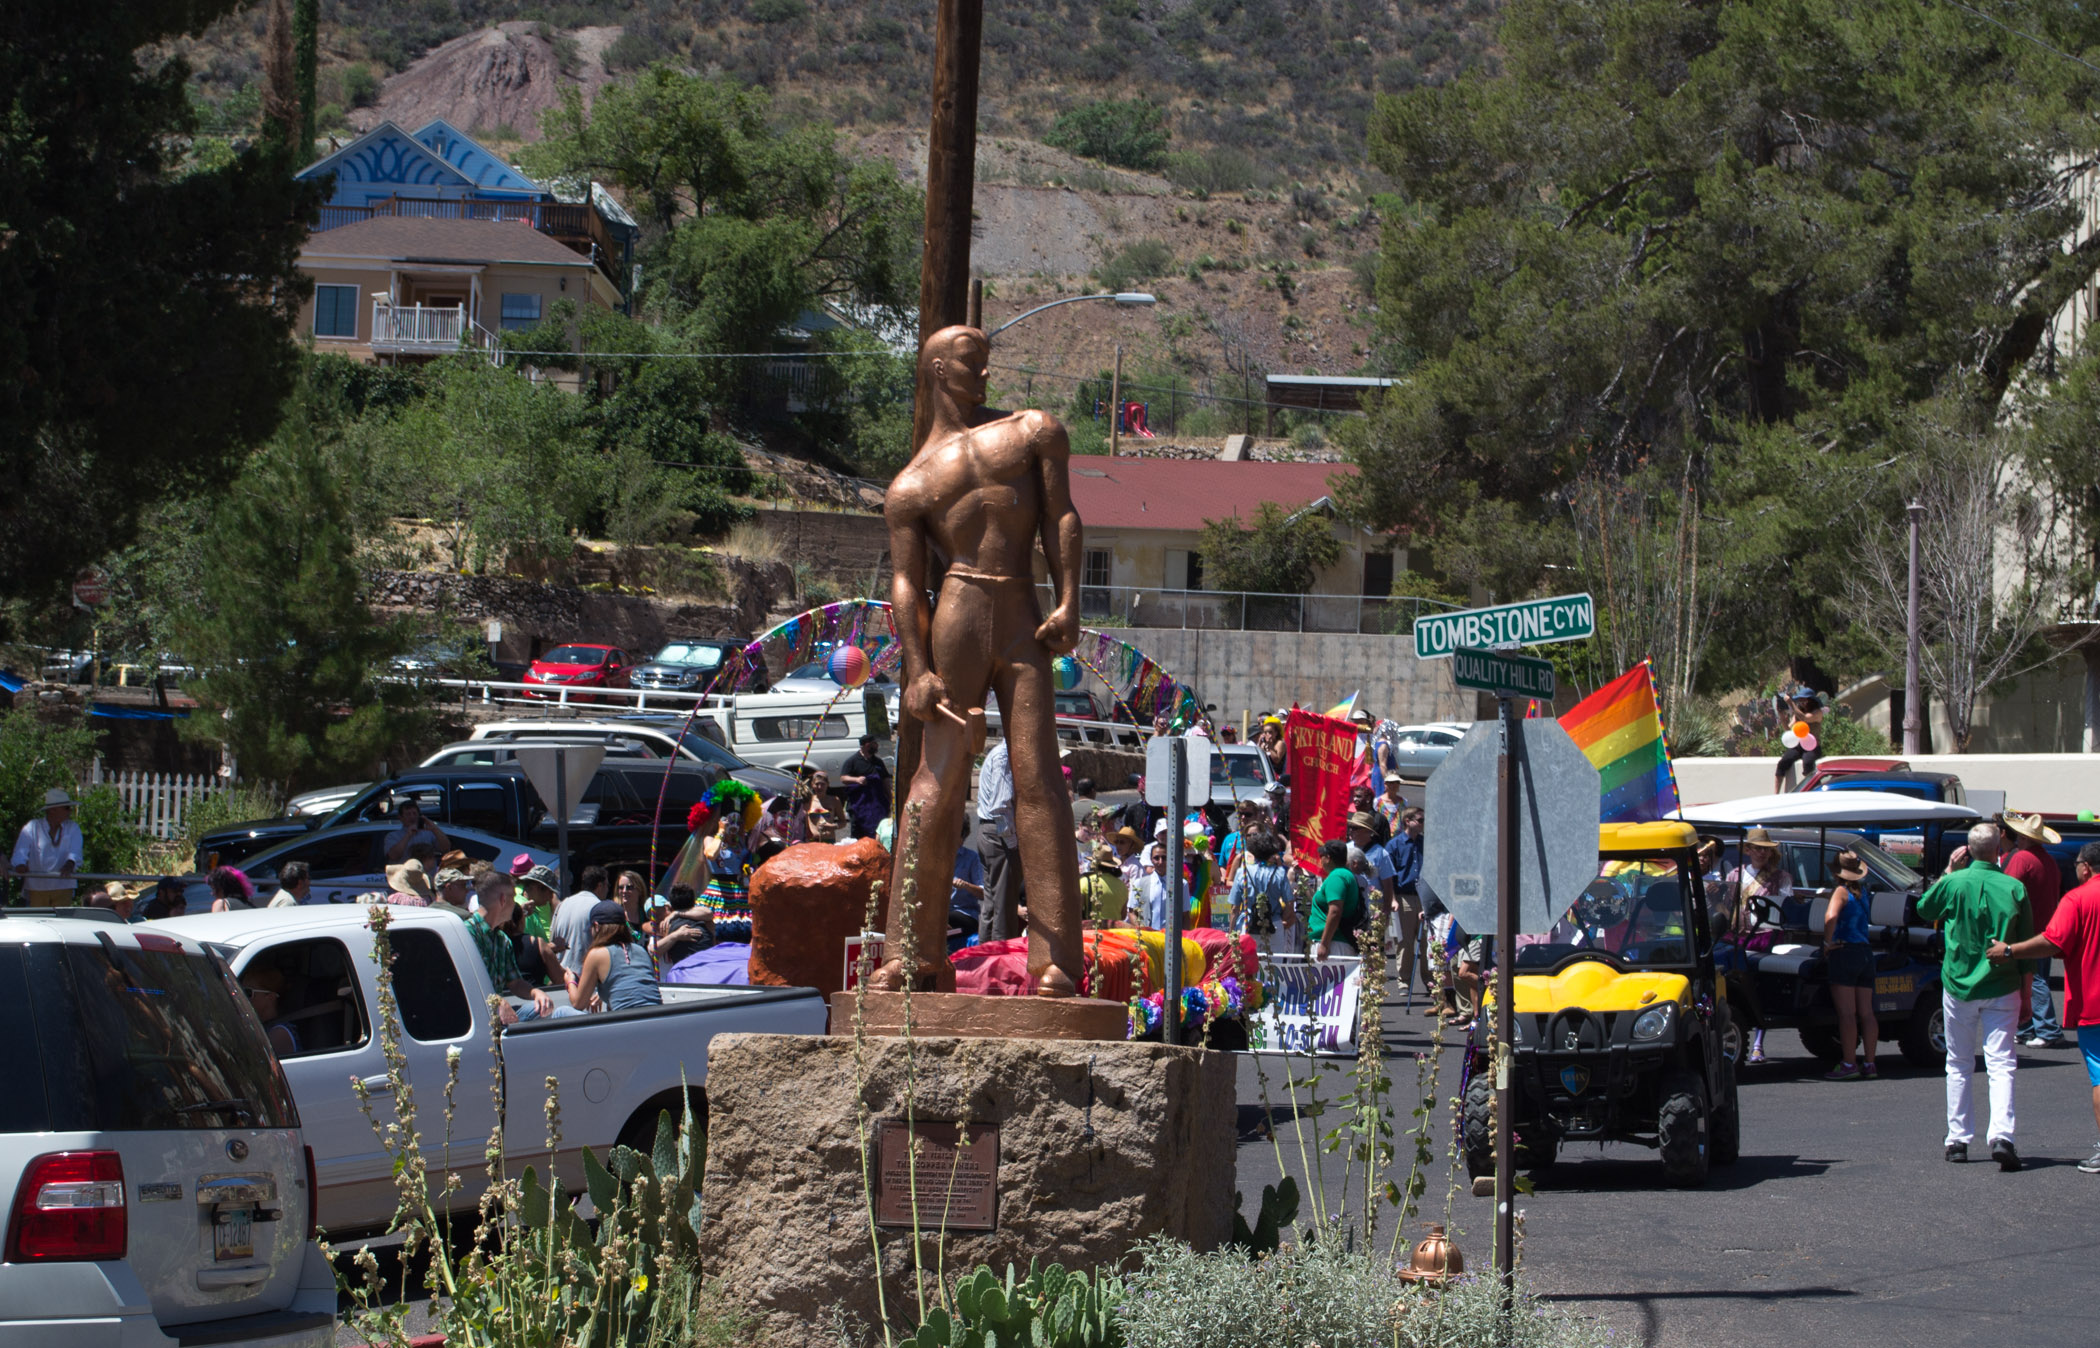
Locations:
(1977, 905)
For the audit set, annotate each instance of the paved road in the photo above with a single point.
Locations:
(1841, 1224)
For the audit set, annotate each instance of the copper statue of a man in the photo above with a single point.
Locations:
(982, 488)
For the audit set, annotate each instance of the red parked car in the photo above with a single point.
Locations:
(579, 665)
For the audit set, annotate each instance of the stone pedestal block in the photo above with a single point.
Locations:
(1099, 1146)
(805, 903)
(961, 1016)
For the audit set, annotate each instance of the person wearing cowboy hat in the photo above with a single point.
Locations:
(48, 851)
(1103, 897)
(1763, 875)
(1849, 957)
(2026, 859)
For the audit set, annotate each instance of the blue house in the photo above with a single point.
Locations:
(439, 172)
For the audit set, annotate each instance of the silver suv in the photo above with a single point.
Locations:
(158, 1188)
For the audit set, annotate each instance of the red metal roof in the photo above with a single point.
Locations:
(1132, 493)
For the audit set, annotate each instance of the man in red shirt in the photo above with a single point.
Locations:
(2026, 861)
(2074, 933)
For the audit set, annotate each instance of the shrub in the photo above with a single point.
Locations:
(360, 86)
(1137, 261)
(775, 11)
(1130, 133)
(36, 755)
(1322, 1293)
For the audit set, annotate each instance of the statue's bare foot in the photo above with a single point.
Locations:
(890, 978)
(1054, 982)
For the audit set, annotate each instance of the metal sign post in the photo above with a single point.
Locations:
(561, 773)
(1505, 994)
(1178, 804)
(1514, 876)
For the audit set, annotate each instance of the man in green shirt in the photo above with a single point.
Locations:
(1974, 907)
(497, 891)
(1337, 908)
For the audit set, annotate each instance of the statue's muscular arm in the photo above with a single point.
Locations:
(1060, 531)
(905, 513)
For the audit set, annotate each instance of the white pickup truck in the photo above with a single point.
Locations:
(616, 1071)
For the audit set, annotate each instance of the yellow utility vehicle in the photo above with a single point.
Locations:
(1619, 1020)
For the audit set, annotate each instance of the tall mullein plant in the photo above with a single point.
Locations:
(535, 1274)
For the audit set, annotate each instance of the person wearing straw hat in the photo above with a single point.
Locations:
(2027, 860)
(1849, 958)
(408, 885)
(1763, 874)
(1104, 900)
(47, 852)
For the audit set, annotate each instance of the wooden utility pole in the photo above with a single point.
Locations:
(951, 162)
(944, 252)
(1115, 406)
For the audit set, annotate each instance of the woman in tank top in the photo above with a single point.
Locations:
(616, 972)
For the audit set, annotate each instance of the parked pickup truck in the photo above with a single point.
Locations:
(615, 1071)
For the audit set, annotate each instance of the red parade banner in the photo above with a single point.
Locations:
(1320, 752)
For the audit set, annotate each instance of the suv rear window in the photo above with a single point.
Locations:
(130, 1040)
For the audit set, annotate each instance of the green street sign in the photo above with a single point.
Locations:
(1502, 674)
(1568, 617)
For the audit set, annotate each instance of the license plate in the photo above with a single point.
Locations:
(233, 1234)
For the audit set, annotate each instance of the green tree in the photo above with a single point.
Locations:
(745, 224)
(1129, 133)
(289, 653)
(37, 754)
(503, 463)
(145, 317)
(1728, 244)
(306, 37)
(1278, 553)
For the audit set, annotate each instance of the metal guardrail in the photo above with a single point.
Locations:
(572, 697)
(1245, 611)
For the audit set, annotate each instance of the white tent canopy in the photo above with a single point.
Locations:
(1827, 807)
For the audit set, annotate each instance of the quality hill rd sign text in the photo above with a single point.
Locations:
(1568, 617)
(1503, 674)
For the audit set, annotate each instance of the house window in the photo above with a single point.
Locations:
(1195, 572)
(335, 311)
(1095, 599)
(520, 312)
(1378, 574)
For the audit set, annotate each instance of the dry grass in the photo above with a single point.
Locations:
(753, 543)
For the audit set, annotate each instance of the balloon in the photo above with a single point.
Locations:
(2087, 816)
(1066, 671)
(1790, 739)
(1808, 743)
(1803, 729)
(849, 666)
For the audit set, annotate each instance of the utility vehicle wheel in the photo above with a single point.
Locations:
(1924, 1036)
(1734, 1038)
(1728, 1121)
(1479, 1126)
(1681, 1127)
(1822, 1043)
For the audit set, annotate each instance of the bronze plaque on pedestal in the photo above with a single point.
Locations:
(957, 1182)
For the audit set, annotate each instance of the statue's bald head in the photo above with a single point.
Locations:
(958, 342)
(959, 353)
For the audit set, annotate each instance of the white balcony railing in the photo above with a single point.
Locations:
(426, 329)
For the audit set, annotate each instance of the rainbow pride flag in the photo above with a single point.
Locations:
(1620, 731)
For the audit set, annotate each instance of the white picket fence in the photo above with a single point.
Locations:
(158, 800)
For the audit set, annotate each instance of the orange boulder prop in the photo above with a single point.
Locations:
(805, 903)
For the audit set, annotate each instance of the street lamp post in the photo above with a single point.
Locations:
(1126, 298)
(1913, 721)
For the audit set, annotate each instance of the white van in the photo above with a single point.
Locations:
(791, 732)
